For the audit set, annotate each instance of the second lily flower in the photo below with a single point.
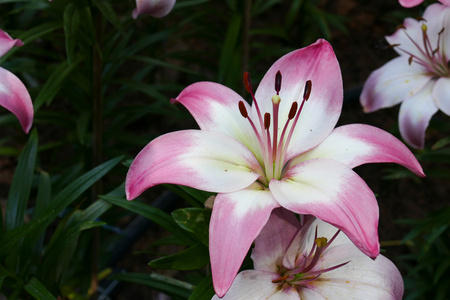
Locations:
(283, 151)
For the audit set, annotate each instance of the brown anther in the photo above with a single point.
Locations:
(420, 19)
(266, 121)
(442, 30)
(242, 109)
(394, 45)
(293, 110)
(308, 87)
(278, 82)
(400, 27)
(410, 60)
(321, 242)
(281, 279)
(247, 82)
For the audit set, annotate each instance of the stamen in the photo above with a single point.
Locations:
(247, 83)
(293, 110)
(278, 82)
(307, 92)
(243, 110)
(266, 121)
(281, 279)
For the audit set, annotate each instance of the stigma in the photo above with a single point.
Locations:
(273, 137)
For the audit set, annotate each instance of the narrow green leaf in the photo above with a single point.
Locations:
(229, 46)
(55, 82)
(167, 285)
(195, 220)
(192, 258)
(108, 13)
(154, 214)
(19, 192)
(31, 35)
(38, 290)
(204, 290)
(71, 20)
(64, 198)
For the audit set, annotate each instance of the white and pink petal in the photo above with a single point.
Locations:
(441, 93)
(236, 221)
(215, 107)
(7, 42)
(358, 144)
(320, 113)
(14, 97)
(334, 193)
(154, 8)
(204, 160)
(274, 240)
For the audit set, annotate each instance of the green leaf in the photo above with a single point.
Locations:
(55, 82)
(63, 199)
(108, 13)
(195, 220)
(154, 214)
(192, 258)
(38, 290)
(204, 290)
(229, 47)
(19, 192)
(441, 143)
(167, 285)
(71, 20)
(31, 35)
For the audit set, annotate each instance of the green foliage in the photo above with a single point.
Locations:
(428, 264)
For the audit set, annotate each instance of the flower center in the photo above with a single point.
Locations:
(273, 146)
(433, 58)
(305, 271)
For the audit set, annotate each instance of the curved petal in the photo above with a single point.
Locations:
(392, 83)
(236, 221)
(154, 8)
(414, 117)
(446, 2)
(361, 278)
(409, 3)
(14, 97)
(320, 113)
(440, 93)
(215, 107)
(274, 240)
(6, 43)
(253, 285)
(200, 159)
(358, 144)
(334, 193)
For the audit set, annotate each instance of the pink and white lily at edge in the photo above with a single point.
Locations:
(310, 262)
(419, 78)
(412, 3)
(13, 93)
(281, 151)
(154, 8)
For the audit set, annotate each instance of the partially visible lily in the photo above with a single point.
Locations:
(154, 8)
(412, 3)
(312, 261)
(419, 78)
(282, 151)
(13, 93)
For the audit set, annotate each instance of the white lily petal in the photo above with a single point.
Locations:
(392, 83)
(414, 116)
(256, 285)
(441, 94)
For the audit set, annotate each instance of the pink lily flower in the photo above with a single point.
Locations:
(313, 262)
(13, 93)
(419, 78)
(282, 151)
(412, 3)
(154, 8)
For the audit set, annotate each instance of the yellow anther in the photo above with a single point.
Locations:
(424, 27)
(321, 242)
